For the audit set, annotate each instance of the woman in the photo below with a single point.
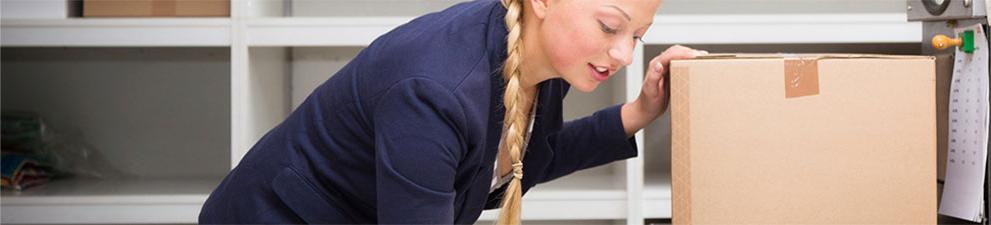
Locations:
(452, 113)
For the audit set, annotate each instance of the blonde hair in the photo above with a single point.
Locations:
(515, 121)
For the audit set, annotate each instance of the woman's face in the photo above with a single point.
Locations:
(587, 41)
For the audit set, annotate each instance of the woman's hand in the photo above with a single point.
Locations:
(653, 99)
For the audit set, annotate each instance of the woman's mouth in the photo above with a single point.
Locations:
(600, 73)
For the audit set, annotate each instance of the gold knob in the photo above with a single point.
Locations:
(942, 42)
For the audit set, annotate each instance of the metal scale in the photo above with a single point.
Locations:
(949, 29)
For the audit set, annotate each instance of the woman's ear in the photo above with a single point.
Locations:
(539, 8)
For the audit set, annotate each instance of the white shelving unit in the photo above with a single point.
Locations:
(101, 32)
(110, 201)
(339, 32)
(272, 60)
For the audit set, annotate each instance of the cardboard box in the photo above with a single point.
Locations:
(944, 73)
(804, 139)
(156, 8)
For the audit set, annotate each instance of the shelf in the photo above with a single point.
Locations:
(318, 31)
(109, 201)
(667, 29)
(139, 112)
(600, 196)
(657, 196)
(116, 32)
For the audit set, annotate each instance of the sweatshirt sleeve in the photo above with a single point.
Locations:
(589, 142)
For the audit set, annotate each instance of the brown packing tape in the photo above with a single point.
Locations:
(801, 77)
(163, 7)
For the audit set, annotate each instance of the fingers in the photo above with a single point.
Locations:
(657, 67)
(689, 51)
(655, 73)
(661, 76)
(680, 52)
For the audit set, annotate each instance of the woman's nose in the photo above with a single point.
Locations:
(622, 53)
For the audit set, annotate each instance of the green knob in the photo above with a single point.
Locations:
(968, 41)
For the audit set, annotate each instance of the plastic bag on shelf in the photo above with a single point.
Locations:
(33, 153)
(72, 156)
(20, 172)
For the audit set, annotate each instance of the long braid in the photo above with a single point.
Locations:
(515, 121)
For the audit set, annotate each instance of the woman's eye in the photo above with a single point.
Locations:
(607, 29)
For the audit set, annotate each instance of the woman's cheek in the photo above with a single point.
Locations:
(571, 51)
(564, 59)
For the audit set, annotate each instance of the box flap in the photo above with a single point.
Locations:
(801, 72)
(805, 56)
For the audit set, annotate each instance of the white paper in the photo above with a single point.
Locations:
(963, 188)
